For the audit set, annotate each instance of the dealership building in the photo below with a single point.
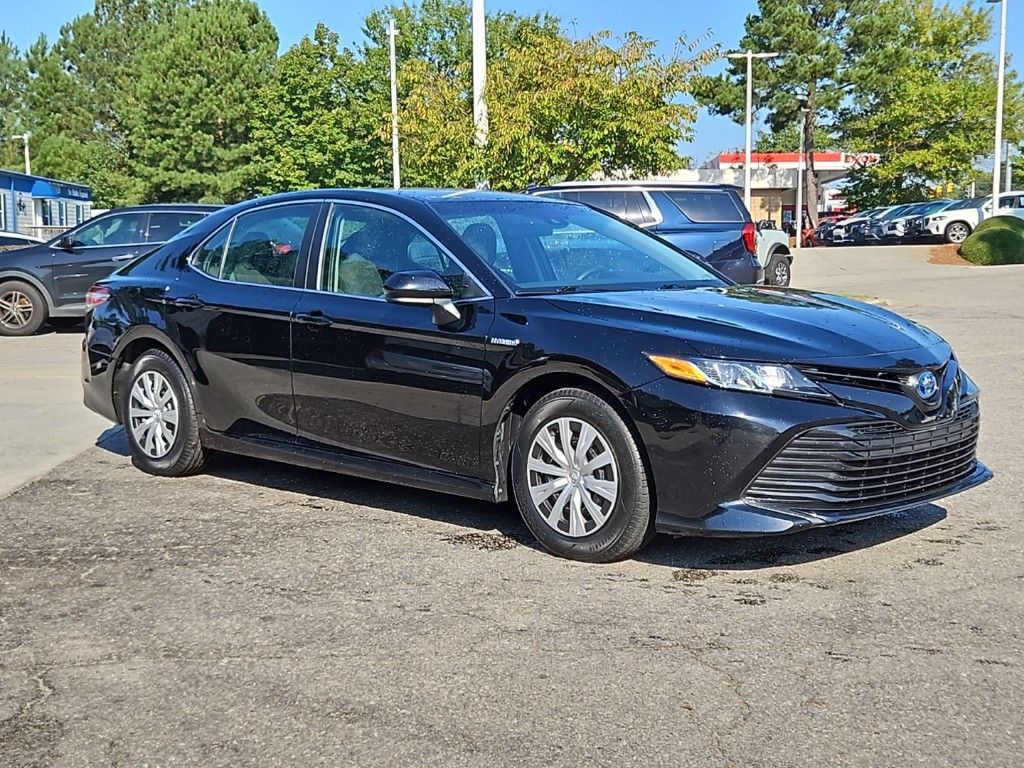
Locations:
(773, 179)
(42, 207)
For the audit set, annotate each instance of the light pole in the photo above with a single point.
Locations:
(1001, 69)
(396, 173)
(800, 179)
(480, 120)
(749, 56)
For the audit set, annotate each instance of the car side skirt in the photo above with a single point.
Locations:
(366, 467)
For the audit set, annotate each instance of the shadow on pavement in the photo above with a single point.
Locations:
(697, 553)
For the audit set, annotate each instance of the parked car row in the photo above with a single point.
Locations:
(950, 221)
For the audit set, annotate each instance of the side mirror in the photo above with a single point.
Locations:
(66, 243)
(423, 287)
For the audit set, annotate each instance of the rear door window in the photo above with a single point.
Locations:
(163, 225)
(707, 206)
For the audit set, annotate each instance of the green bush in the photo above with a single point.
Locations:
(995, 244)
(1002, 222)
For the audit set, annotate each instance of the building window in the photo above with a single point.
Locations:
(3, 211)
(62, 211)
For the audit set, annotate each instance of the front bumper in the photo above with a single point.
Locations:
(706, 447)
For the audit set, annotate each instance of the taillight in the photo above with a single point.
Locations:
(95, 296)
(749, 237)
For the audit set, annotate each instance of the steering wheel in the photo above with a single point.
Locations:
(593, 271)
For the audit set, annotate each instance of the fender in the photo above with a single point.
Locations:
(505, 420)
(26, 277)
(151, 333)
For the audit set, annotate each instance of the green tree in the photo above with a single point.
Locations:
(930, 115)
(813, 37)
(13, 80)
(190, 112)
(305, 129)
(79, 88)
(787, 139)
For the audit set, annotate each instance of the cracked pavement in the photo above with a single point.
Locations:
(260, 614)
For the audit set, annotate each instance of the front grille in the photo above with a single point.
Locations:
(851, 377)
(863, 465)
(887, 381)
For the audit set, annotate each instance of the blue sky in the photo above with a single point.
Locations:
(661, 20)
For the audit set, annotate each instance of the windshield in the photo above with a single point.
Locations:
(546, 246)
(971, 202)
(892, 213)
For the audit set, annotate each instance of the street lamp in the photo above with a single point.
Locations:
(749, 56)
(999, 104)
(480, 121)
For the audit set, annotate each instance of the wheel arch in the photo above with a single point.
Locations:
(35, 282)
(135, 343)
(531, 386)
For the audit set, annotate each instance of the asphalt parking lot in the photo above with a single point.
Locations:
(266, 615)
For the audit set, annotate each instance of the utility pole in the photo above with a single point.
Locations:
(395, 169)
(1001, 74)
(480, 120)
(1008, 183)
(749, 56)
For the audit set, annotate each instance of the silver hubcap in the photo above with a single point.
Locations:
(15, 309)
(153, 414)
(781, 273)
(958, 233)
(573, 478)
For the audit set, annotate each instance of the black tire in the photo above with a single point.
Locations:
(956, 232)
(778, 271)
(628, 525)
(13, 322)
(186, 455)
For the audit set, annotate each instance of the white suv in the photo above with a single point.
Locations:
(955, 223)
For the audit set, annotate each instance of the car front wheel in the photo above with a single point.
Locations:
(957, 232)
(579, 479)
(159, 417)
(22, 309)
(777, 271)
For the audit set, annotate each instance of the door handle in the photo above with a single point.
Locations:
(315, 318)
(187, 302)
(124, 257)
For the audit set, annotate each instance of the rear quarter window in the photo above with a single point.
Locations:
(707, 206)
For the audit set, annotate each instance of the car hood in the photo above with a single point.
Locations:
(766, 324)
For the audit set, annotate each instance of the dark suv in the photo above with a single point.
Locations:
(709, 220)
(52, 279)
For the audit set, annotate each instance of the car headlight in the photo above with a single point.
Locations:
(938, 218)
(765, 378)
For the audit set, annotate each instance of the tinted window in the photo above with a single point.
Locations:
(481, 233)
(119, 229)
(165, 225)
(261, 247)
(210, 258)
(707, 205)
(554, 245)
(364, 246)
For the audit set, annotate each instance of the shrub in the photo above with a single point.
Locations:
(994, 244)
(1003, 222)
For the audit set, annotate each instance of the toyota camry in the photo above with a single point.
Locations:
(509, 347)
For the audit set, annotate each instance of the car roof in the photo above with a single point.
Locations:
(632, 184)
(205, 207)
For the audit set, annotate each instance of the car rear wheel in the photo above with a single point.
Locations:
(22, 309)
(159, 416)
(579, 480)
(778, 271)
(957, 232)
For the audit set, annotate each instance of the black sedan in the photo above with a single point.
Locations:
(501, 346)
